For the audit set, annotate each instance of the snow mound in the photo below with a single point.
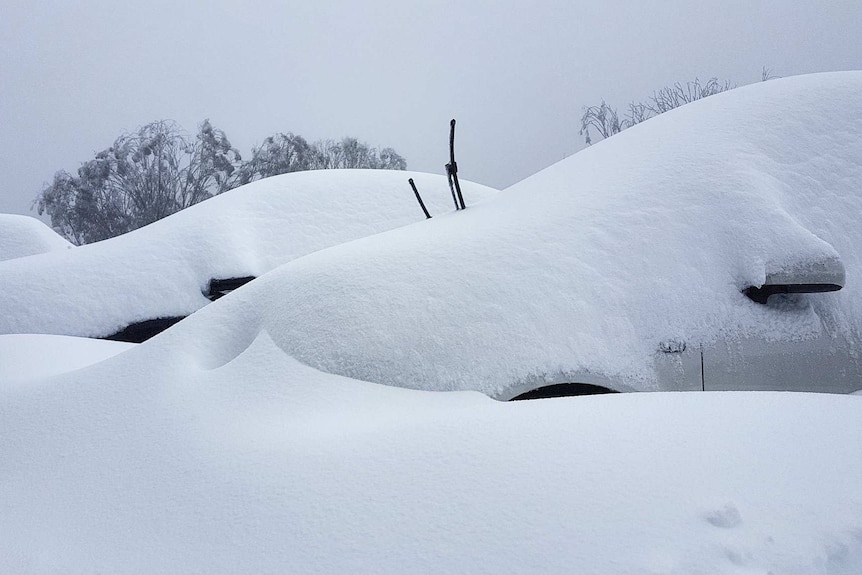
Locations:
(162, 269)
(215, 447)
(585, 267)
(33, 356)
(150, 463)
(25, 236)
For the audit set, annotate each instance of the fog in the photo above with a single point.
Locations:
(75, 75)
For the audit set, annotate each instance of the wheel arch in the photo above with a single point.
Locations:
(560, 385)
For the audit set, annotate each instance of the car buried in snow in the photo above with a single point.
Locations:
(22, 236)
(133, 286)
(715, 247)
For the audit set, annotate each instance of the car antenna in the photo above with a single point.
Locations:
(419, 198)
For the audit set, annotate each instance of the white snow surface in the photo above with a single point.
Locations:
(157, 461)
(215, 448)
(161, 270)
(588, 265)
(33, 356)
(25, 236)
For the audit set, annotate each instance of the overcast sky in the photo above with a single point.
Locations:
(76, 74)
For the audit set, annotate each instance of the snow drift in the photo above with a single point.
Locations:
(162, 269)
(212, 449)
(152, 463)
(25, 236)
(587, 266)
(33, 356)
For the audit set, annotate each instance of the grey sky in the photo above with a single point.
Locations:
(75, 74)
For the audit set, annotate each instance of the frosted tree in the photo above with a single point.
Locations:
(286, 153)
(144, 176)
(605, 120)
(278, 154)
(158, 170)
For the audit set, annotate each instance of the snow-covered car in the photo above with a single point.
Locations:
(22, 236)
(645, 262)
(135, 285)
(216, 447)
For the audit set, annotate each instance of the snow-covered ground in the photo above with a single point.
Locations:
(234, 442)
(152, 462)
(25, 236)
(162, 269)
(32, 356)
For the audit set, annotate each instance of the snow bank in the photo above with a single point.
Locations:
(215, 448)
(587, 266)
(33, 356)
(150, 462)
(25, 236)
(161, 270)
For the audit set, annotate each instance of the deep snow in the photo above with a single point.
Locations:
(25, 236)
(162, 269)
(588, 266)
(216, 448)
(32, 356)
(154, 463)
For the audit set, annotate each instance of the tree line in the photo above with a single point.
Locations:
(605, 120)
(159, 169)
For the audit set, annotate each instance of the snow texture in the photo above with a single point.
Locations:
(25, 236)
(159, 462)
(589, 265)
(162, 269)
(217, 447)
(32, 356)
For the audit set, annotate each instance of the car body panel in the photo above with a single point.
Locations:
(825, 363)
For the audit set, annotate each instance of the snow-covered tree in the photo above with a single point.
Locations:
(278, 154)
(144, 176)
(158, 170)
(605, 121)
(285, 153)
(351, 153)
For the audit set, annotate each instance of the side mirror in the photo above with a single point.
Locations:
(814, 276)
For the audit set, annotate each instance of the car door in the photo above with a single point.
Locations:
(828, 364)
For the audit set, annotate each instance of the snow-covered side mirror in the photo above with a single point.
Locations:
(813, 276)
